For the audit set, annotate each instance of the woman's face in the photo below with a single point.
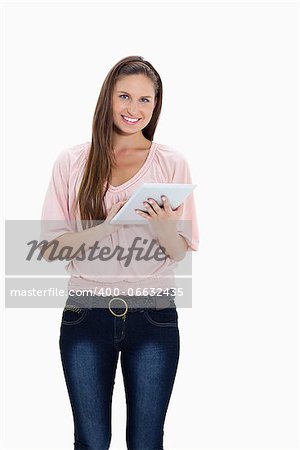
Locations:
(133, 98)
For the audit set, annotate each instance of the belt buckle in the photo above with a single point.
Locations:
(126, 307)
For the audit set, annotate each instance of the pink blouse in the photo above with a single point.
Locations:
(163, 165)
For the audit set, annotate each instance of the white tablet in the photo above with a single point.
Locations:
(175, 192)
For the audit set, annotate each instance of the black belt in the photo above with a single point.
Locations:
(125, 303)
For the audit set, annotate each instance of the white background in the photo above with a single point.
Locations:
(229, 73)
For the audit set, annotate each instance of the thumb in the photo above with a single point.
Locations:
(179, 210)
(115, 208)
(120, 203)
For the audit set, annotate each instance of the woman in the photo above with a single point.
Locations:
(105, 313)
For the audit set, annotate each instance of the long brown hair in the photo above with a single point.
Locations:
(101, 159)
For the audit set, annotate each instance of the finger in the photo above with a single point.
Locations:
(119, 204)
(154, 205)
(149, 209)
(142, 214)
(166, 204)
(115, 208)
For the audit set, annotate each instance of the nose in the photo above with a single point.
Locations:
(133, 110)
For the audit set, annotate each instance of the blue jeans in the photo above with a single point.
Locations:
(90, 342)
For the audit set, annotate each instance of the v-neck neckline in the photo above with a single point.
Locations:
(138, 174)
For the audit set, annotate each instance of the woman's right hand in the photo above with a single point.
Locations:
(87, 236)
(112, 212)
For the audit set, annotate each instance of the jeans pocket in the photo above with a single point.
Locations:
(166, 317)
(73, 315)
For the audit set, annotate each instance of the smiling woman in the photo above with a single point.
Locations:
(133, 101)
(132, 108)
(90, 182)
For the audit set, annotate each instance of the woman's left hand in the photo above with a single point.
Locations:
(163, 218)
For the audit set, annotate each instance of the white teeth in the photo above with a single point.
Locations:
(130, 120)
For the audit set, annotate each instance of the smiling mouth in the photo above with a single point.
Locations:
(131, 120)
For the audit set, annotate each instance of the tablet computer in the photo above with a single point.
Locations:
(175, 192)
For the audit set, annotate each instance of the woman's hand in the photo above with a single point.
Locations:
(163, 218)
(112, 212)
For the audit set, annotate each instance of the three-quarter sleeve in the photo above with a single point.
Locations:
(188, 224)
(55, 216)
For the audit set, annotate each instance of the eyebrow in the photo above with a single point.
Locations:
(123, 92)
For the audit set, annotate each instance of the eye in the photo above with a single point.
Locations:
(125, 95)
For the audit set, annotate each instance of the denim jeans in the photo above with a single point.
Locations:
(90, 342)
